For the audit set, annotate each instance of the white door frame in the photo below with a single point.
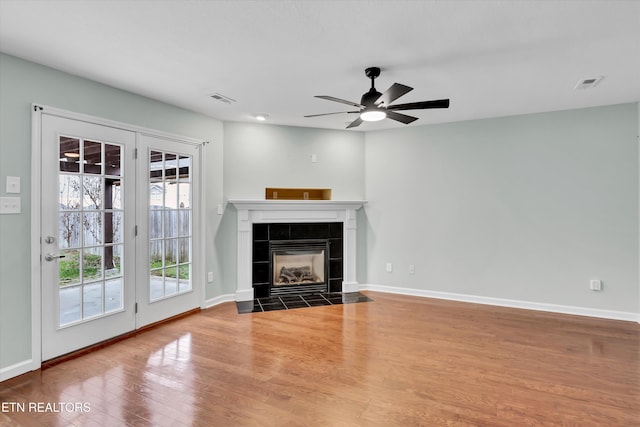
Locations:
(36, 191)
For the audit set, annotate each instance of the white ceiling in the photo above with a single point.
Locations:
(491, 58)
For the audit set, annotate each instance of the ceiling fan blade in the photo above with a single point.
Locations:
(438, 103)
(327, 114)
(403, 118)
(331, 98)
(394, 92)
(356, 122)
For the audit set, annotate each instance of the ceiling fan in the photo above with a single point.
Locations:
(375, 106)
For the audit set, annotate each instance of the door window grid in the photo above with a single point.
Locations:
(90, 229)
(170, 213)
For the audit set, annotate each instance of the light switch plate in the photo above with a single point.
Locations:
(13, 184)
(9, 205)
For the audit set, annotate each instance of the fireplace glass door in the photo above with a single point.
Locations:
(298, 267)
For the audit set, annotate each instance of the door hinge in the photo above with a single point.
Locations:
(136, 308)
(135, 153)
(135, 230)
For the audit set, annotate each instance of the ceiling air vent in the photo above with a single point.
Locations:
(222, 98)
(589, 83)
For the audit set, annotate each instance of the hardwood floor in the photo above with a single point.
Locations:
(396, 361)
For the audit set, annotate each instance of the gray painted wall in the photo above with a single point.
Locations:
(261, 155)
(22, 83)
(526, 208)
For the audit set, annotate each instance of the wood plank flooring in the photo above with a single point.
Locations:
(396, 361)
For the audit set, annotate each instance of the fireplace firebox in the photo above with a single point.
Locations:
(298, 266)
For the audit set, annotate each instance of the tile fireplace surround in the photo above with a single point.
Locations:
(294, 211)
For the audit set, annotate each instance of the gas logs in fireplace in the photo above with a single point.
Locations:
(296, 275)
(298, 266)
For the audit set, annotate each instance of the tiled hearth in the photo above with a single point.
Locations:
(289, 302)
(251, 212)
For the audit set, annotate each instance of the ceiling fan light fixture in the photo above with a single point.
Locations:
(375, 106)
(373, 115)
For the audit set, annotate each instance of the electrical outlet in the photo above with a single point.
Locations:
(412, 269)
(210, 276)
(389, 267)
(595, 285)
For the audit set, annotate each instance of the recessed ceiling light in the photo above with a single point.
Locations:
(588, 83)
(261, 117)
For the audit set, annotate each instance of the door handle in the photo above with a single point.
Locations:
(51, 257)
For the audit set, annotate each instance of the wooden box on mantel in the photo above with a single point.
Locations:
(298, 193)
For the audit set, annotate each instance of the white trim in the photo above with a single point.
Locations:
(244, 295)
(115, 124)
(36, 232)
(17, 369)
(219, 300)
(202, 229)
(502, 302)
(348, 287)
(297, 205)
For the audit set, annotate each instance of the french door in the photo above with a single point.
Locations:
(87, 242)
(117, 243)
(168, 206)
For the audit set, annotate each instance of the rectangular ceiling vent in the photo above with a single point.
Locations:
(222, 98)
(589, 83)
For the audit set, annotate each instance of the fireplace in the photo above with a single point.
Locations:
(298, 266)
(262, 221)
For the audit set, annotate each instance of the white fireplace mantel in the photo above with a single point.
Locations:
(284, 211)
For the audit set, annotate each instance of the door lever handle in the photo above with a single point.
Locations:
(51, 257)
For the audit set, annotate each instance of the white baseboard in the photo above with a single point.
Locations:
(219, 300)
(17, 369)
(528, 305)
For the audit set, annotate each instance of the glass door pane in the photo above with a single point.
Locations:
(170, 213)
(90, 186)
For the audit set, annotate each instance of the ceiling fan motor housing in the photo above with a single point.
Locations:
(369, 98)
